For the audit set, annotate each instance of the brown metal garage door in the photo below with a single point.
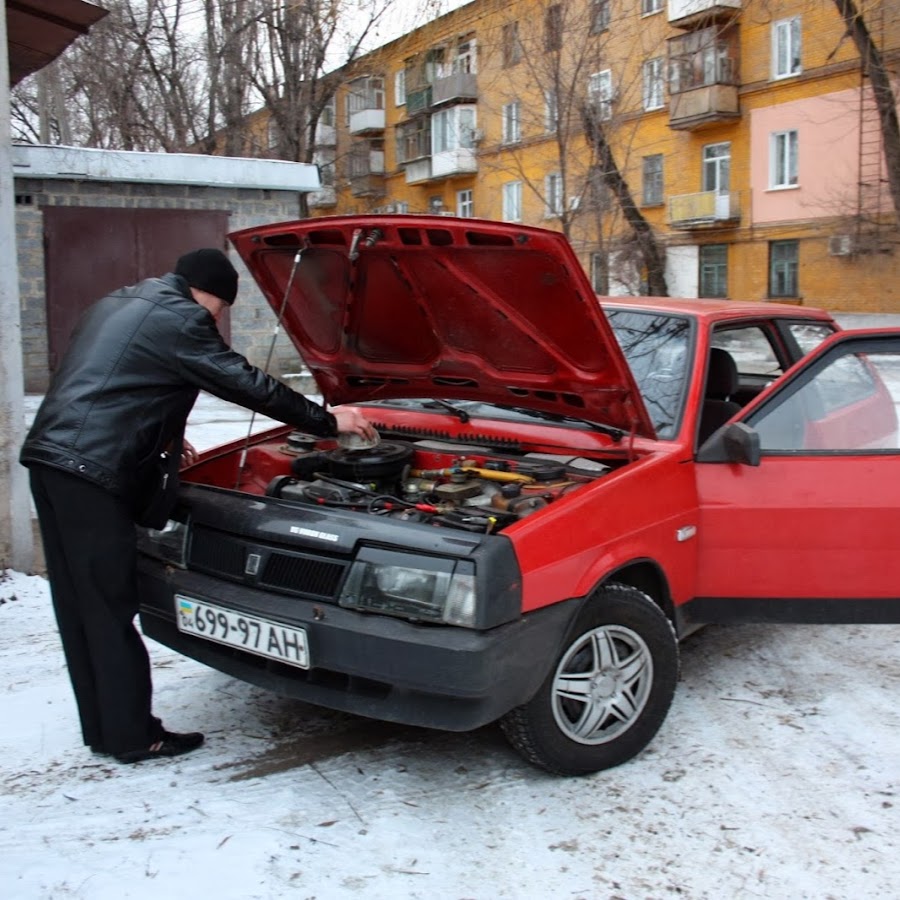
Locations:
(90, 251)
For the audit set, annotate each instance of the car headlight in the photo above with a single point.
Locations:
(426, 589)
(168, 544)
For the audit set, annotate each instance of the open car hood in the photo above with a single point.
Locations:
(438, 307)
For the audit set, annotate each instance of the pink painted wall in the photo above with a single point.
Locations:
(828, 158)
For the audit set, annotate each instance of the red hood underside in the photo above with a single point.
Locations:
(431, 306)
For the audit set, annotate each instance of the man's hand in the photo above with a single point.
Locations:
(188, 455)
(349, 421)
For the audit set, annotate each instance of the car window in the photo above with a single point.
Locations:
(848, 406)
(809, 335)
(751, 349)
(656, 347)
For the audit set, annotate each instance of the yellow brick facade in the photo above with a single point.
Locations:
(565, 48)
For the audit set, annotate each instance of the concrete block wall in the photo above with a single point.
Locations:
(252, 321)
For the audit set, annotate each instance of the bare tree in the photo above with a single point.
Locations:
(132, 83)
(577, 166)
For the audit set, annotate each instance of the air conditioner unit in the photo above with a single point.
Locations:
(477, 135)
(574, 203)
(840, 245)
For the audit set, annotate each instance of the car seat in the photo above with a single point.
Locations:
(721, 385)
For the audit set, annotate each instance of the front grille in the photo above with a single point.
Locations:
(298, 573)
(287, 571)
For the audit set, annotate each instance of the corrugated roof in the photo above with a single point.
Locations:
(39, 30)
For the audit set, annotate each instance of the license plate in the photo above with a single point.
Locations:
(255, 635)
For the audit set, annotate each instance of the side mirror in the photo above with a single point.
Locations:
(735, 443)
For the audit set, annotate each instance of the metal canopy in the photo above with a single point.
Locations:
(39, 30)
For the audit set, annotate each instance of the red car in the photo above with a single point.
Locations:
(563, 488)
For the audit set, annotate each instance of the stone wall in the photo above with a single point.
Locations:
(252, 321)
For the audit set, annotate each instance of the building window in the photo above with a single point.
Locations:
(512, 201)
(465, 204)
(553, 195)
(414, 139)
(465, 59)
(701, 58)
(786, 47)
(784, 258)
(650, 6)
(600, 16)
(598, 273)
(653, 83)
(400, 88)
(511, 131)
(402, 207)
(273, 135)
(783, 159)
(551, 112)
(714, 270)
(553, 28)
(600, 94)
(717, 167)
(512, 47)
(653, 180)
(328, 116)
(453, 128)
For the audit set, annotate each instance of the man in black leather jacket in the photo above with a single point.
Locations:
(121, 396)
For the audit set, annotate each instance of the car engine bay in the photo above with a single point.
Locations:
(438, 483)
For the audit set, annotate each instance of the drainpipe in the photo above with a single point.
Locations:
(16, 542)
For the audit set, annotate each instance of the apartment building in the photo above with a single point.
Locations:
(744, 130)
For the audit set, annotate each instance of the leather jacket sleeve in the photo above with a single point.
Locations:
(207, 362)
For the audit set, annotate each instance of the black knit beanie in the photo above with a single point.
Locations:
(209, 270)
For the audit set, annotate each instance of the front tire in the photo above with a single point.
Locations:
(608, 692)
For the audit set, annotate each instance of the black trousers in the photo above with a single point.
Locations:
(89, 546)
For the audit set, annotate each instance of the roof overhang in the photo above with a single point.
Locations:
(39, 30)
(91, 164)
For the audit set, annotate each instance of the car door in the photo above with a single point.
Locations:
(807, 527)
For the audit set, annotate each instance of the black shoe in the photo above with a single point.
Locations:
(173, 744)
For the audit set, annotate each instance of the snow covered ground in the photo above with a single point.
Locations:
(776, 775)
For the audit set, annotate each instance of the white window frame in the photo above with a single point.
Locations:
(512, 126)
(453, 128)
(601, 15)
(400, 88)
(601, 94)
(553, 195)
(465, 203)
(787, 46)
(551, 112)
(784, 160)
(652, 180)
(654, 93)
(650, 7)
(512, 201)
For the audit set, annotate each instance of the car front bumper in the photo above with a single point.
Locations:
(446, 677)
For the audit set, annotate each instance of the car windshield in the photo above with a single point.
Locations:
(656, 348)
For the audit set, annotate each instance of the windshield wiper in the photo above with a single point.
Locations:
(615, 433)
(457, 411)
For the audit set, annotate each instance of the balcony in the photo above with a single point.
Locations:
(366, 121)
(689, 13)
(707, 209)
(450, 163)
(459, 87)
(703, 106)
(418, 171)
(326, 135)
(418, 100)
(366, 172)
(323, 198)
